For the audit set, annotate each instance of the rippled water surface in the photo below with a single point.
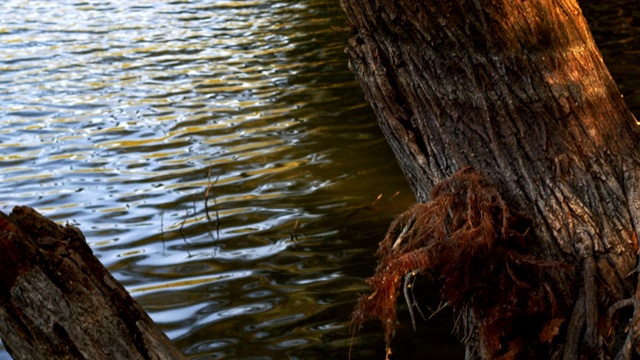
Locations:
(220, 159)
(117, 116)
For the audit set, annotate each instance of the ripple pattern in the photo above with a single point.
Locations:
(218, 156)
(220, 159)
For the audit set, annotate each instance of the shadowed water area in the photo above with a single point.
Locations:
(221, 161)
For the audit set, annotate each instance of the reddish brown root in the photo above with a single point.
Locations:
(467, 237)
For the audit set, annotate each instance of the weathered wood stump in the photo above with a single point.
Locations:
(57, 301)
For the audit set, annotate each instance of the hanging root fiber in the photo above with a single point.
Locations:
(467, 238)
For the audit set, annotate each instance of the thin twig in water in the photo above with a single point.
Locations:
(208, 191)
(215, 204)
(206, 195)
(162, 230)
(181, 233)
(206, 206)
(365, 207)
(294, 233)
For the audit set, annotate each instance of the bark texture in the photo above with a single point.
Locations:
(518, 91)
(57, 301)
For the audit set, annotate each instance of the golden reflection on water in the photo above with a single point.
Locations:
(117, 116)
(175, 284)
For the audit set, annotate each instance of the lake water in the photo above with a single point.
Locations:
(221, 161)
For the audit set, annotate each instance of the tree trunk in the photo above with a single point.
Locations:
(518, 92)
(57, 301)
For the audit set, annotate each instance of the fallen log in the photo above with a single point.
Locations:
(57, 301)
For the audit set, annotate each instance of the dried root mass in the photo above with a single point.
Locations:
(467, 237)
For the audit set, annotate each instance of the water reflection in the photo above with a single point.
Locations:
(116, 116)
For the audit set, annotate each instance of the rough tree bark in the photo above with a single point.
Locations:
(57, 301)
(517, 93)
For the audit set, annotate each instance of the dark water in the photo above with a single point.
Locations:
(116, 116)
(616, 28)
